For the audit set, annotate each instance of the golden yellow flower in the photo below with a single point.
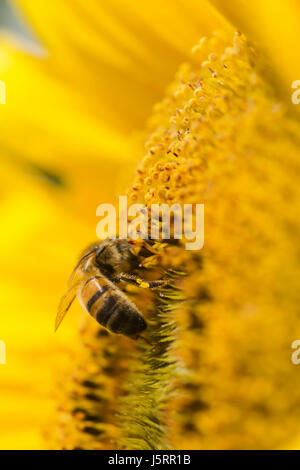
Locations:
(225, 134)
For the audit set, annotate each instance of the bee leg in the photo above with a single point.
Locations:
(138, 245)
(137, 281)
(148, 260)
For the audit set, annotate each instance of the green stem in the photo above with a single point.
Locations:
(150, 382)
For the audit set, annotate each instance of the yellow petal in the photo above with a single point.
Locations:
(120, 55)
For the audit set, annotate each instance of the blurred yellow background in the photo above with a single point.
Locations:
(81, 79)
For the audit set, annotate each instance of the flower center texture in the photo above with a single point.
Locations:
(222, 138)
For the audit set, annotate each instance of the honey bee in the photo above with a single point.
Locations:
(94, 281)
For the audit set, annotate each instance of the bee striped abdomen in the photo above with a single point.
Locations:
(95, 294)
(110, 307)
(106, 310)
(94, 298)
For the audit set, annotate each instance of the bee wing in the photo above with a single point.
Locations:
(65, 304)
(83, 259)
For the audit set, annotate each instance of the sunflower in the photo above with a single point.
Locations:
(223, 132)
